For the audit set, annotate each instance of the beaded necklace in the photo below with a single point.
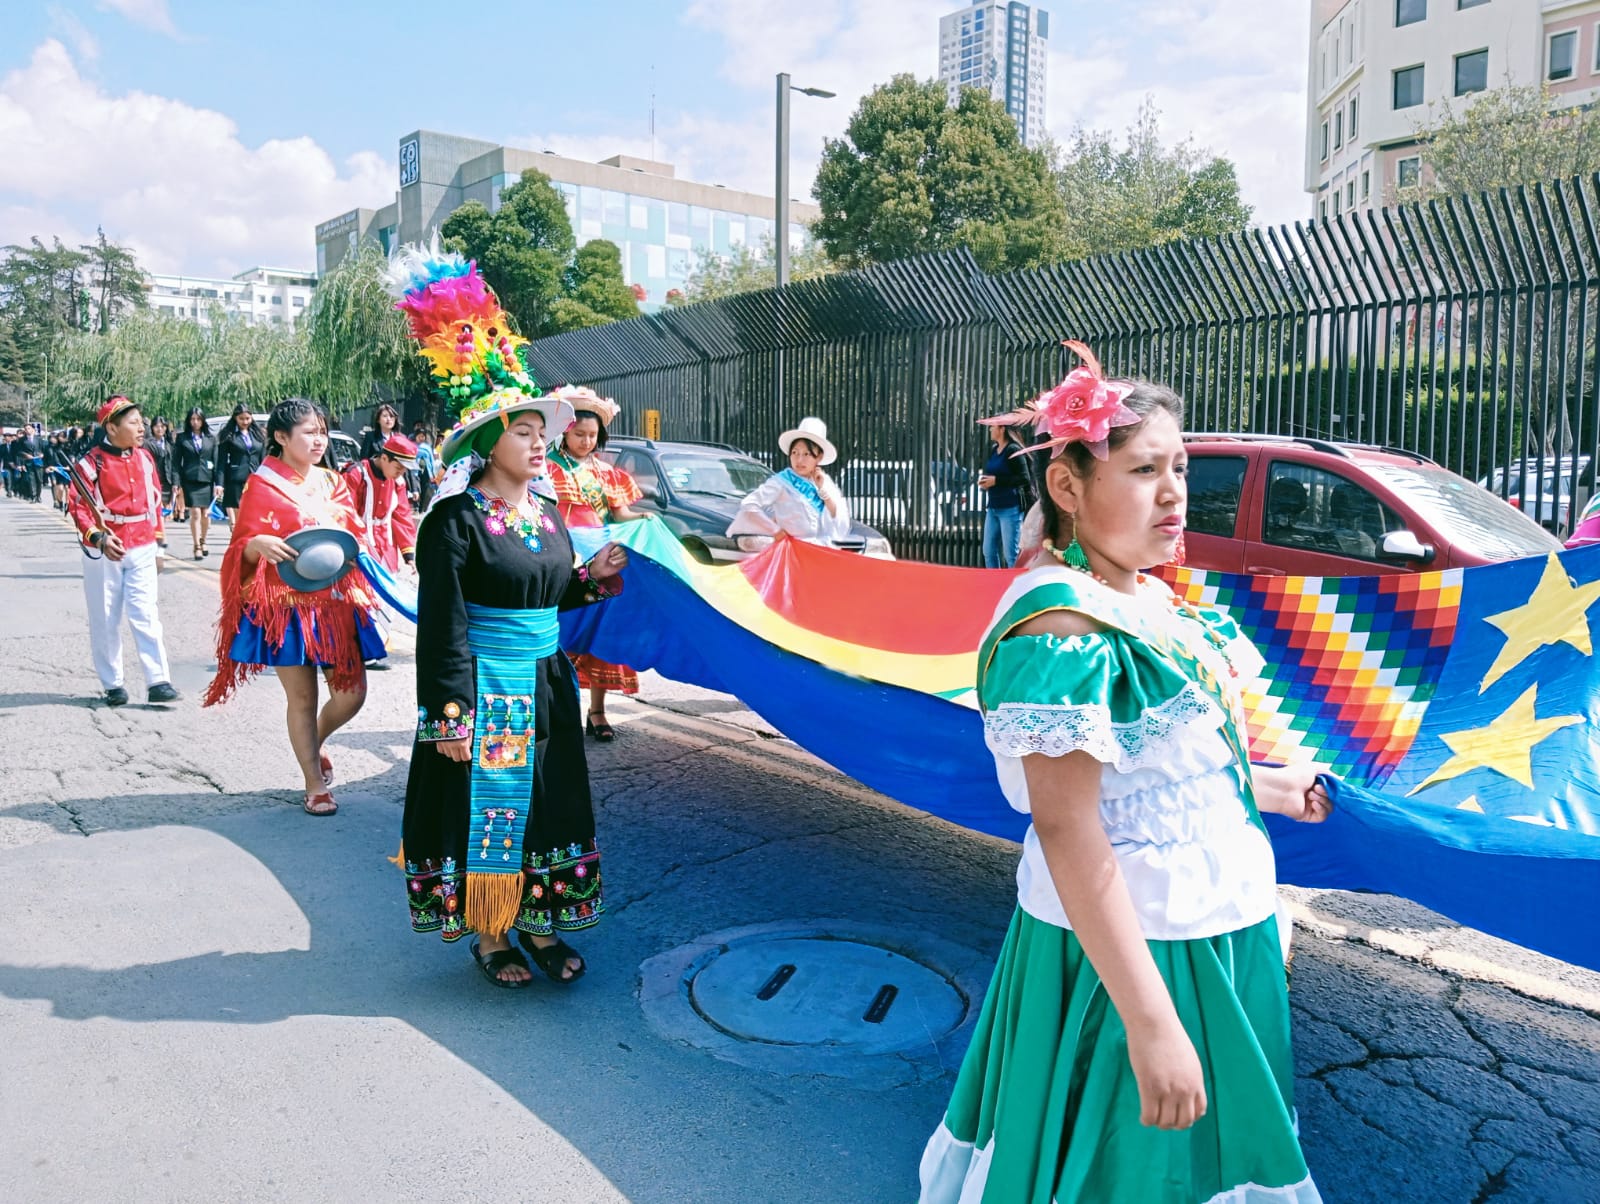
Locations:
(501, 517)
(1180, 605)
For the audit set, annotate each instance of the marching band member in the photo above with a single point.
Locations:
(120, 522)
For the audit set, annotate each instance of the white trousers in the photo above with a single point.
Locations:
(112, 590)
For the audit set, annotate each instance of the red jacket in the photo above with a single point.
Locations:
(125, 483)
(385, 508)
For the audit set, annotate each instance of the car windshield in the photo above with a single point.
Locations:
(1467, 514)
(712, 474)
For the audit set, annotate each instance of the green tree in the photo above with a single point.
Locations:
(595, 282)
(915, 174)
(747, 269)
(523, 248)
(1507, 136)
(1141, 193)
(357, 345)
(116, 281)
(43, 299)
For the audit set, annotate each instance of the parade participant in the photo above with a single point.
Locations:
(30, 458)
(6, 438)
(273, 614)
(801, 501)
(240, 449)
(499, 824)
(194, 470)
(385, 422)
(56, 456)
(377, 486)
(120, 524)
(1134, 1044)
(159, 444)
(427, 465)
(592, 492)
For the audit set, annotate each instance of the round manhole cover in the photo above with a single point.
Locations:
(825, 991)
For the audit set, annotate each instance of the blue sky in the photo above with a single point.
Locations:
(212, 136)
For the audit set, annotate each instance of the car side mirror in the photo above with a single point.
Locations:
(648, 490)
(1403, 545)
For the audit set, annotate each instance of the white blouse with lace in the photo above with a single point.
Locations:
(1194, 862)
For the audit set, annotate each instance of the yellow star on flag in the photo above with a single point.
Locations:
(1505, 745)
(1557, 613)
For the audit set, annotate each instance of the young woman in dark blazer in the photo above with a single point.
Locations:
(239, 450)
(194, 470)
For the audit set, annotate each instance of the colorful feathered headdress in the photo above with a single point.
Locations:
(475, 360)
(1081, 409)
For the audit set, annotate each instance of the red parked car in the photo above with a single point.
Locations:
(1279, 505)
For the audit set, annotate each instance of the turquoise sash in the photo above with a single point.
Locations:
(508, 646)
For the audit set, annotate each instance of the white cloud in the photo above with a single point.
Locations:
(173, 181)
(152, 14)
(66, 23)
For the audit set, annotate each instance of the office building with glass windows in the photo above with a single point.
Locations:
(661, 224)
(1000, 49)
(1380, 68)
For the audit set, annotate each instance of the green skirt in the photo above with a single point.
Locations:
(1046, 1108)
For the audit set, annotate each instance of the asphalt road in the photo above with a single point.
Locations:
(206, 995)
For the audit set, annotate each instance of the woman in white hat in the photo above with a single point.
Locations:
(801, 501)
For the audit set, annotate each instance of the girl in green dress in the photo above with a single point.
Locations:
(1134, 1045)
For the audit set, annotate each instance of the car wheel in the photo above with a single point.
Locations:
(698, 551)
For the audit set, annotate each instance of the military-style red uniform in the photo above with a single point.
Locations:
(127, 487)
(385, 508)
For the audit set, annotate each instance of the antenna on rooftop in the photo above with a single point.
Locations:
(652, 112)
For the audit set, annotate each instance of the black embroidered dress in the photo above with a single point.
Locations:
(473, 550)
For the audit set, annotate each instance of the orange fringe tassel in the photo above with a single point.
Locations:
(399, 859)
(492, 902)
(327, 622)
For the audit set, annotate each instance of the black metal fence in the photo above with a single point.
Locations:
(1464, 329)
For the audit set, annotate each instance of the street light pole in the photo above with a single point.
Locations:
(781, 195)
(780, 236)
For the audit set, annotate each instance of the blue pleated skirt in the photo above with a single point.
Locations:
(251, 647)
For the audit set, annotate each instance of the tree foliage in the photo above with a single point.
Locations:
(1141, 193)
(915, 174)
(748, 269)
(527, 252)
(1507, 136)
(357, 345)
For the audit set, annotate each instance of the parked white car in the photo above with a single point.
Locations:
(1544, 489)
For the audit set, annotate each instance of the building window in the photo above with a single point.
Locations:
(1323, 209)
(1355, 112)
(1366, 185)
(1563, 55)
(1337, 192)
(1324, 141)
(1338, 129)
(1470, 3)
(1597, 49)
(1472, 72)
(1409, 12)
(1350, 195)
(1408, 172)
(1408, 87)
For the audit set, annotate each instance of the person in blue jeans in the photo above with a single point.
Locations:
(1004, 480)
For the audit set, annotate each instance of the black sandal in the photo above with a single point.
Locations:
(601, 731)
(553, 959)
(498, 961)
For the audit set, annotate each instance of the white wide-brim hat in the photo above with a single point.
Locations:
(499, 407)
(813, 430)
(323, 556)
(584, 398)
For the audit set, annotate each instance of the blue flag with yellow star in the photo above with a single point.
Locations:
(1489, 812)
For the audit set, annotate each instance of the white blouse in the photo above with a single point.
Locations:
(776, 508)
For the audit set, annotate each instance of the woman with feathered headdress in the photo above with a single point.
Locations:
(499, 825)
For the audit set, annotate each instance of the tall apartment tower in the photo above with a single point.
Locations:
(1377, 66)
(1001, 49)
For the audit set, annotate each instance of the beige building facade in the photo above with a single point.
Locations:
(662, 224)
(1378, 67)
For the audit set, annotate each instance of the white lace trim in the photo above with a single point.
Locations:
(1020, 729)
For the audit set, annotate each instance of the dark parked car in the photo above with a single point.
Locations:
(696, 488)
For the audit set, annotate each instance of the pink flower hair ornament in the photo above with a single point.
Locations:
(1081, 409)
